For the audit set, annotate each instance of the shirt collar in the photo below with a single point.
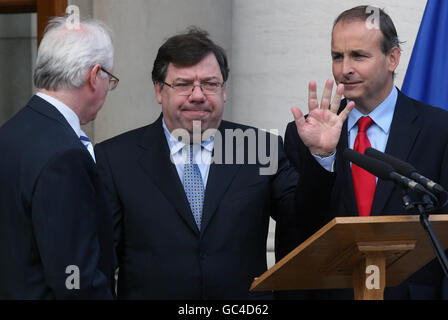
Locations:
(68, 113)
(382, 115)
(175, 145)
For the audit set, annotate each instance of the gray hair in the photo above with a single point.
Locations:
(66, 53)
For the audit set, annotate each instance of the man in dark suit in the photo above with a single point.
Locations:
(188, 227)
(364, 60)
(56, 238)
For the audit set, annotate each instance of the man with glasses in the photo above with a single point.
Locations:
(56, 238)
(113, 80)
(188, 227)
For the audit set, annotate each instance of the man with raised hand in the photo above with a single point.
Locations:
(365, 56)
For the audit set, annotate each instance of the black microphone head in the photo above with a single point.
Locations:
(404, 169)
(400, 166)
(376, 167)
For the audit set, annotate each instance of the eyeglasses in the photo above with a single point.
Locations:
(113, 80)
(187, 88)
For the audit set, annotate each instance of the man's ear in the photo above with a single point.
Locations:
(92, 77)
(158, 90)
(393, 59)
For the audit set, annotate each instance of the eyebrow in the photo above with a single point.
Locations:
(202, 79)
(360, 51)
(210, 78)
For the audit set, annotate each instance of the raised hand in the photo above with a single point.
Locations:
(321, 129)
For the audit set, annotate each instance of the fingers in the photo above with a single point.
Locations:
(348, 108)
(298, 116)
(335, 104)
(312, 96)
(326, 95)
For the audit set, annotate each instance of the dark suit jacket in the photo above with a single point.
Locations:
(53, 212)
(418, 135)
(161, 252)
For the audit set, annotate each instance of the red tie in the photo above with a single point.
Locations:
(364, 182)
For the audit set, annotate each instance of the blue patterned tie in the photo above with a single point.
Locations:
(86, 142)
(194, 187)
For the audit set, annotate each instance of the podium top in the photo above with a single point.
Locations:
(325, 260)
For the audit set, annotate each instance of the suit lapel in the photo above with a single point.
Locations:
(156, 163)
(342, 165)
(219, 180)
(404, 130)
(348, 193)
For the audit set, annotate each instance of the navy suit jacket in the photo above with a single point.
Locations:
(419, 135)
(53, 211)
(161, 252)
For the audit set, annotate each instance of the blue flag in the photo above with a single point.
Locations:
(426, 79)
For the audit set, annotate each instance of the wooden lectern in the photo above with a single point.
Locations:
(363, 253)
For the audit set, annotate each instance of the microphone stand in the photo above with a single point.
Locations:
(424, 209)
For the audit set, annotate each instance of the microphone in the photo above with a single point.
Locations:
(381, 169)
(405, 169)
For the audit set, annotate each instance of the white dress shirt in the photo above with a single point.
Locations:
(179, 154)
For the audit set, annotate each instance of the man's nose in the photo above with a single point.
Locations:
(347, 68)
(197, 94)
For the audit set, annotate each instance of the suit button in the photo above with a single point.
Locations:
(202, 255)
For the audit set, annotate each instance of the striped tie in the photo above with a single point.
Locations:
(86, 142)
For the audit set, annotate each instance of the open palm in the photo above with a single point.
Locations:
(321, 129)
